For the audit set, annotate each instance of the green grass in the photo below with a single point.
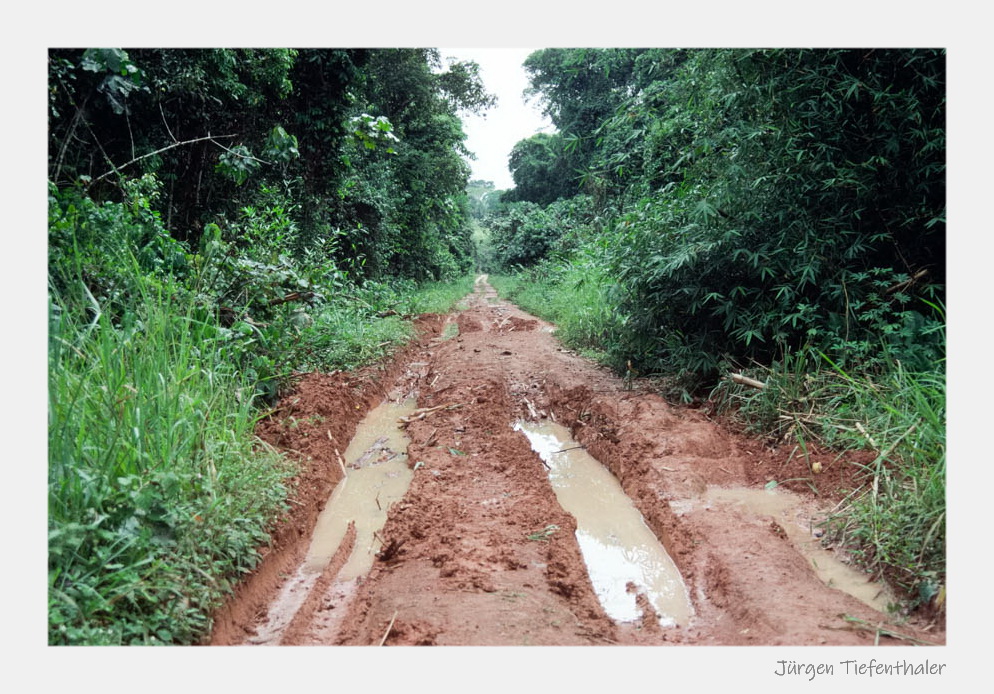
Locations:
(161, 359)
(438, 297)
(897, 521)
(360, 329)
(159, 494)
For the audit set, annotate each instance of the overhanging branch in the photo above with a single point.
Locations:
(117, 169)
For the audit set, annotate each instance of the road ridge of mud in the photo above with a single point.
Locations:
(467, 565)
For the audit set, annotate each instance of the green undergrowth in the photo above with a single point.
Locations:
(366, 325)
(438, 297)
(159, 494)
(719, 230)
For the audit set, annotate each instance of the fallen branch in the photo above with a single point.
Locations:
(430, 441)
(426, 411)
(389, 627)
(341, 463)
(531, 409)
(855, 624)
(390, 551)
(117, 169)
(746, 381)
(292, 296)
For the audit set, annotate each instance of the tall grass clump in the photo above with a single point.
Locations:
(357, 328)
(436, 297)
(897, 520)
(159, 495)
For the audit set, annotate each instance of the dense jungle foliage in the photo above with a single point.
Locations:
(218, 220)
(774, 212)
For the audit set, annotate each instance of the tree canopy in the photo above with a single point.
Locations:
(347, 134)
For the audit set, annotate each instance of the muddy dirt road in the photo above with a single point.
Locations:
(475, 546)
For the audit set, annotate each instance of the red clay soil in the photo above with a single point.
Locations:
(457, 566)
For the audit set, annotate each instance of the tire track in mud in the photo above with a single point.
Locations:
(463, 559)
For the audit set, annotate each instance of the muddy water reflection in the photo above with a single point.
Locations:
(618, 547)
(377, 475)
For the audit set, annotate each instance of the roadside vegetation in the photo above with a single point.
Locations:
(774, 214)
(200, 255)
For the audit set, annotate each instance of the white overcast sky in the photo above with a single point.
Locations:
(492, 136)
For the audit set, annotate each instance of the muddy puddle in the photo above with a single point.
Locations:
(376, 475)
(784, 509)
(622, 554)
